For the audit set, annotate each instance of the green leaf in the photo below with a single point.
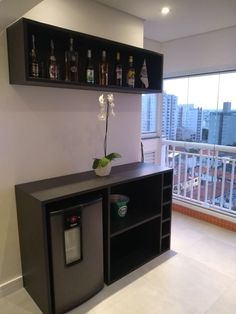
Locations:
(113, 156)
(103, 162)
(95, 163)
(100, 162)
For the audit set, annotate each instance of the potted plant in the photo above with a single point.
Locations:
(102, 166)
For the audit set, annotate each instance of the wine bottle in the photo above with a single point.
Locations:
(90, 69)
(118, 70)
(71, 63)
(34, 63)
(103, 70)
(131, 73)
(53, 69)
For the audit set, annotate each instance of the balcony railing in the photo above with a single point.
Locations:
(203, 173)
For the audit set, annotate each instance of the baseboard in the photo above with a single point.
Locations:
(204, 214)
(11, 286)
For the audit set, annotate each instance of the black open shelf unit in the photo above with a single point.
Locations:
(19, 37)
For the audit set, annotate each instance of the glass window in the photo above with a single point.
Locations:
(200, 108)
(149, 114)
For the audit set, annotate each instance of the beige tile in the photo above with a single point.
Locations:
(18, 302)
(190, 284)
(226, 304)
(216, 254)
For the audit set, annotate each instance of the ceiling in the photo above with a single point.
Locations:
(186, 17)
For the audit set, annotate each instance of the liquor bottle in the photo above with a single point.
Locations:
(71, 63)
(34, 64)
(53, 69)
(118, 70)
(103, 70)
(131, 73)
(144, 76)
(90, 69)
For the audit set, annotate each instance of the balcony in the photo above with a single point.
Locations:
(204, 174)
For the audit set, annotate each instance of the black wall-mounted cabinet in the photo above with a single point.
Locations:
(128, 242)
(19, 37)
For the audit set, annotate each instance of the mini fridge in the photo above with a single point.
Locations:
(76, 236)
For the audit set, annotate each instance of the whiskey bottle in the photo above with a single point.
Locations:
(103, 70)
(90, 69)
(34, 63)
(53, 69)
(118, 71)
(71, 63)
(131, 73)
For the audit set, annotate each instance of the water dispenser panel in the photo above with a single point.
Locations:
(72, 236)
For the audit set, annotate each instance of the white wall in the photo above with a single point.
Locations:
(152, 45)
(46, 132)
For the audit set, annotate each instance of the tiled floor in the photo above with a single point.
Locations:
(197, 276)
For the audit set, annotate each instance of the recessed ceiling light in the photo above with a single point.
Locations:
(165, 10)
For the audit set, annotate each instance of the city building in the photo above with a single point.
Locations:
(222, 126)
(169, 116)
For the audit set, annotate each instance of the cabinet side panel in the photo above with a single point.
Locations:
(34, 250)
(16, 53)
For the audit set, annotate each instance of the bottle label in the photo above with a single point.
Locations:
(131, 78)
(73, 68)
(35, 69)
(53, 71)
(118, 74)
(90, 76)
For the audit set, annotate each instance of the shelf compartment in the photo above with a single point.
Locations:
(166, 211)
(167, 194)
(133, 248)
(165, 244)
(133, 218)
(144, 194)
(167, 179)
(166, 227)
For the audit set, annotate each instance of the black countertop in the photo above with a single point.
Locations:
(73, 184)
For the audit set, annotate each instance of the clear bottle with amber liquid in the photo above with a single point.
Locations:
(34, 63)
(130, 79)
(103, 70)
(71, 63)
(118, 70)
(53, 68)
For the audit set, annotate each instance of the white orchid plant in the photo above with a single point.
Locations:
(106, 109)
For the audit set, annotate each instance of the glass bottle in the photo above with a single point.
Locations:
(71, 63)
(118, 70)
(90, 69)
(34, 63)
(131, 73)
(103, 70)
(53, 69)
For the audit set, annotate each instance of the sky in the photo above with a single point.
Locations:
(206, 91)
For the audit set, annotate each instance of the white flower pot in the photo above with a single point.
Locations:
(103, 171)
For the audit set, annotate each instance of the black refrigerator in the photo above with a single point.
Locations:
(76, 236)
